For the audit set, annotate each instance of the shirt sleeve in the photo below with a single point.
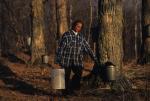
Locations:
(89, 51)
(60, 49)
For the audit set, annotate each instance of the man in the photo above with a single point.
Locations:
(70, 53)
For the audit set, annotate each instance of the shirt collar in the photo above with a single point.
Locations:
(76, 33)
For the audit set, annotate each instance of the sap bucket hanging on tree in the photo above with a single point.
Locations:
(110, 71)
(29, 41)
(58, 79)
(45, 59)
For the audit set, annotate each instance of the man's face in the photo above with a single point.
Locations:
(78, 27)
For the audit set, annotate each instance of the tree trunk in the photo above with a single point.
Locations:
(135, 29)
(51, 26)
(146, 33)
(146, 12)
(62, 23)
(90, 20)
(70, 8)
(38, 42)
(1, 27)
(110, 35)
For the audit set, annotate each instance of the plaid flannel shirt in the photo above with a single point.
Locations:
(71, 50)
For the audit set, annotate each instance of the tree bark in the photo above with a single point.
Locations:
(70, 8)
(110, 35)
(38, 42)
(90, 20)
(146, 12)
(1, 27)
(51, 26)
(146, 33)
(62, 23)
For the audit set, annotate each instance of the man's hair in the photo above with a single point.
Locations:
(75, 23)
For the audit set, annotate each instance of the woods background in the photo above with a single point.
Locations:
(17, 24)
(117, 31)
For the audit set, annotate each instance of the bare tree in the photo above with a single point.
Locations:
(90, 19)
(62, 23)
(70, 8)
(135, 29)
(1, 26)
(51, 26)
(110, 35)
(146, 25)
(146, 14)
(38, 42)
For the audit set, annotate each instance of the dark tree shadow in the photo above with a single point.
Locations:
(28, 52)
(13, 58)
(15, 84)
(142, 59)
(142, 78)
(95, 78)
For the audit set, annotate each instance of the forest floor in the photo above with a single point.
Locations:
(21, 82)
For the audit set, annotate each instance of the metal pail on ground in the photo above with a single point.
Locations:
(58, 78)
(111, 73)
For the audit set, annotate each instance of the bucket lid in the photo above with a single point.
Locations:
(111, 66)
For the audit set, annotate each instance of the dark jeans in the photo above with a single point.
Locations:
(74, 83)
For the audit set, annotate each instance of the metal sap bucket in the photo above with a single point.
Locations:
(29, 41)
(58, 79)
(45, 59)
(111, 73)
